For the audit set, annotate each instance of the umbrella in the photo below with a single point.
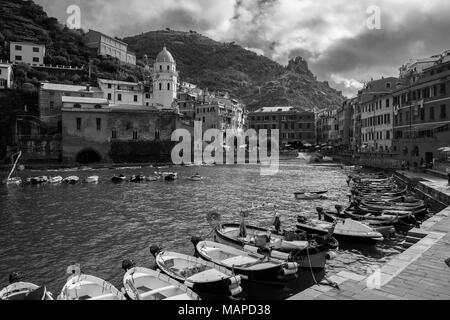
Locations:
(307, 145)
(444, 149)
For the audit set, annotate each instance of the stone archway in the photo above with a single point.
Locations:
(88, 155)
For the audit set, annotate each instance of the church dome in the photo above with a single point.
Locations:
(165, 56)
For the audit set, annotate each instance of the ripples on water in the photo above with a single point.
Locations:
(43, 229)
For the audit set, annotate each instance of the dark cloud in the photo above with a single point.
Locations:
(329, 35)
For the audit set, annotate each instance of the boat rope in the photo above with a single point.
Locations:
(310, 266)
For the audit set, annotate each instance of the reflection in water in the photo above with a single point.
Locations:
(43, 229)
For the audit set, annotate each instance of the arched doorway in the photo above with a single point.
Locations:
(88, 156)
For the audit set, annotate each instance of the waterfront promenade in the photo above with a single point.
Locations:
(419, 273)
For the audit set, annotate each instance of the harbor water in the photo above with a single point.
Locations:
(44, 229)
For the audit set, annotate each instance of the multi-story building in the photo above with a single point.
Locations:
(6, 76)
(121, 92)
(296, 126)
(327, 125)
(27, 52)
(422, 114)
(51, 103)
(412, 70)
(345, 123)
(91, 125)
(376, 104)
(104, 45)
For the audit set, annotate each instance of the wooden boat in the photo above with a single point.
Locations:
(382, 224)
(13, 181)
(344, 230)
(310, 195)
(25, 291)
(146, 284)
(196, 177)
(137, 178)
(169, 176)
(119, 178)
(201, 276)
(152, 178)
(38, 180)
(85, 287)
(306, 250)
(71, 180)
(56, 180)
(251, 265)
(92, 179)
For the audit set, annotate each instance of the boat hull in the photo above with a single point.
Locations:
(310, 258)
(341, 237)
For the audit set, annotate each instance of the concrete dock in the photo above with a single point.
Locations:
(419, 273)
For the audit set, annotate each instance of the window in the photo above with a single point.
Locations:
(52, 104)
(160, 67)
(76, 105)
(35, 49)
(135, 135)
(114, 134)
(78, 124)
(168, 68)
(18, 58)
(157, 135)
(135, 98)
(109, 96)
(97, 106)
(119, 97)
(442, 89)
(35, 59)
(99, 124)
(388, 103)
(160, 86)
(422, 114)
(443, 113)
(18, 48)
(168, 86)
(388, 85)
(431, 113)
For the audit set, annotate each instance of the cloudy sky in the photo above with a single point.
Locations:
(333, 35)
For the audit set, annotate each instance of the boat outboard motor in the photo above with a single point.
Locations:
(15, 277)
(302, 219)
(154, 250)
(195, 240)
(320, 212)
(339, 209)
(128, 264)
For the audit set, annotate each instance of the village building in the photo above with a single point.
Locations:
(121, 92)
(27, 52)
(51, 102)
(422, 115)
(104, 45)
(377, 124)
(90, 127)
(6, 76)
(296, 126)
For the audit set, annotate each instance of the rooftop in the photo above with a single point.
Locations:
(84, 100)
(115, 39)
(165, 56)
(107, 81)
(67, 87)
(276, 109)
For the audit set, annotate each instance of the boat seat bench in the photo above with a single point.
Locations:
(150, 293)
